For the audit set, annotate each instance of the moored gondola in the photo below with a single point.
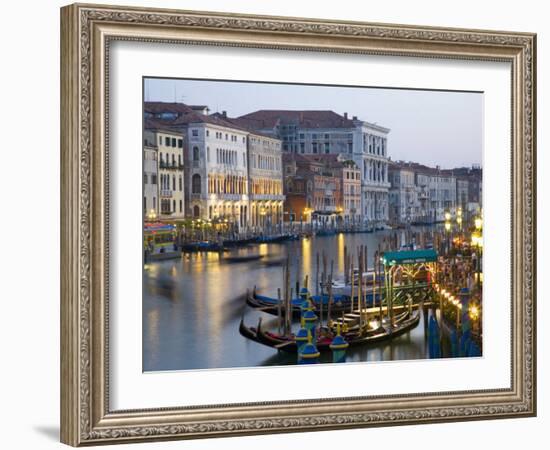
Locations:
(354, 338)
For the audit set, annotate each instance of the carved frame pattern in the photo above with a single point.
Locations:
(85, 416)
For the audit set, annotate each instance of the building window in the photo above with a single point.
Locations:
(196, 211)
(207, 133)
(196, 154)
(144, 178)
(167, 141)
(180, 143)
(181, 183)
(174, 183)
(144, 204)
(153, 179)
(194, 133)
(173, 205)
(181, 206)
(173, 142)
(196, 184)
(160, 140)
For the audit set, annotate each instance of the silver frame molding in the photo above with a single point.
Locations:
(86, 33)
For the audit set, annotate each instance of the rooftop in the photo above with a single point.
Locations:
(270, 118)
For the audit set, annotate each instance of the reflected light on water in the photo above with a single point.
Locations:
(341, 244)
(192, 306)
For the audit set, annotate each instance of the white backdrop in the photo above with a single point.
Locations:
(131, 389)
(30, 220)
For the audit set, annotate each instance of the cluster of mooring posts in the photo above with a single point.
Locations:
(411, 275)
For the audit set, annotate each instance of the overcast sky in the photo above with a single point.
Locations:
(429, 127)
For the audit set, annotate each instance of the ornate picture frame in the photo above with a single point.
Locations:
(86, 34)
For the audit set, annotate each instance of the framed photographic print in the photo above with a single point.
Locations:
(277, 224)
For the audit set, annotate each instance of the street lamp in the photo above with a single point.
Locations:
(152, 215)
(478, 222)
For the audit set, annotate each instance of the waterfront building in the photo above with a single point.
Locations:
(321, 132)
(166, 148)
(432, 193)
(232, 174)
(218, 170)
(404, 201)
(349, 174)
(442, 192)
(473, 175)
(462, 192)
(215, 162)
(150, 177)
(313, 190)
(265, 175)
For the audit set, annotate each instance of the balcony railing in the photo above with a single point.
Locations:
(267, 197)
(169, 165)
(165, 193)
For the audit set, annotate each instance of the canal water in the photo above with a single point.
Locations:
(192, 306)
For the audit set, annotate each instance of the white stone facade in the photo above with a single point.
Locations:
(170, 203)
(265, 181)
(403, 196)
(150, 182)
(218, 182)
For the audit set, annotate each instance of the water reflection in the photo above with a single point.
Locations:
(192, 306)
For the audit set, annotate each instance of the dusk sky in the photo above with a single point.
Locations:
(429, 127)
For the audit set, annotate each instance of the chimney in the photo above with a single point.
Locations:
(224, 113)
(354, 117)
(345, 115)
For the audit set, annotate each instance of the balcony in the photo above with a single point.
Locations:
(165, 193)
(276, 197)
(170, 166)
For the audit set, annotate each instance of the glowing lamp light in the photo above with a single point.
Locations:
(447, 216)
(478, 222)
(474, 312)
(447, 226)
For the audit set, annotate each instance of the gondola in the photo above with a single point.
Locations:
(341, 303)
(288, 344)
(242, 258)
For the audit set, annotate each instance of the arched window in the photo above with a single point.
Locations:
(196, 153)
(196, 211)
(196, 184)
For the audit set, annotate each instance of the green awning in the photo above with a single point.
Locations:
(410, 257)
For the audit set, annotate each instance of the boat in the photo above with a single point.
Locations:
(341, 302)
(202, 246)
(277, 238)
(325, 232)
(238, 242)
(242, 258)
(354, 338)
